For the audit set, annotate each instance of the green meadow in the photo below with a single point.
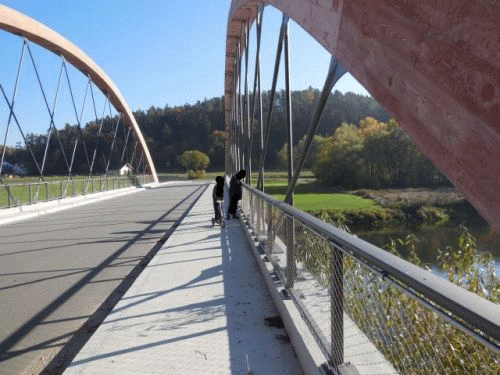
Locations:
(21, 191)
(309, 196)
(312, 197)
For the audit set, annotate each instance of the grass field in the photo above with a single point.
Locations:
(331, 201)
(269, 176)
(22, 191)
(310, 196)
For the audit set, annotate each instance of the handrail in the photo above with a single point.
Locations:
(478, 312)
(77, 186)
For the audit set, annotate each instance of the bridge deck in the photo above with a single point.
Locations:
(200, 306)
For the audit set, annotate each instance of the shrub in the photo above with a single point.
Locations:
(193, 175)
(412, 337)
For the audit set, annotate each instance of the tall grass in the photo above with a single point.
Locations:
(412, 337)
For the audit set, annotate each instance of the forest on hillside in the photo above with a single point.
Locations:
(170, 131)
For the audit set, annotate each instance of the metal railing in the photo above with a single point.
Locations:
(368, 307)
(25, 193)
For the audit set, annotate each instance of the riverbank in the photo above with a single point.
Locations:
(389, 211)
(374, 208)
(382, 207)
(433, 228)
(420, 206)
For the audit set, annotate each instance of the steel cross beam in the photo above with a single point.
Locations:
(283, 30)
(11, 114)
(433, 65)
(255, 81)
(336, 71)
(19, 24)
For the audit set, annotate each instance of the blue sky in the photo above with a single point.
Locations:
(168, 52)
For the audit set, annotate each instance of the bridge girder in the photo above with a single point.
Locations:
(435, 66)
(17, 23)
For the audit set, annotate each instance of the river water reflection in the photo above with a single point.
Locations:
(432, 238)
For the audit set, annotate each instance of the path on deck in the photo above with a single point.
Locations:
(204, 287)
(200, 307)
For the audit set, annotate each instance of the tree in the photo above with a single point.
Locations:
(195, 162)
(373, 155)
(338, 162)
(298, 150)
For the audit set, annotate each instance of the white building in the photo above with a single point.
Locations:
(126, 170)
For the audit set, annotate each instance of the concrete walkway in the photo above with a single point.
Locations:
(200, 307)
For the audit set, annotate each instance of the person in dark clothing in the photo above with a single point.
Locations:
(235, 193)
(218, 196)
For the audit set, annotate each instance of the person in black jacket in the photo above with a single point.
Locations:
(235, 193)
(218, 196)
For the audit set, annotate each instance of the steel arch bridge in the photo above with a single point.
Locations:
(435, 66)
(34, 31)
(453, 117)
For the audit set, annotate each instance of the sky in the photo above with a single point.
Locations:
(161, 53)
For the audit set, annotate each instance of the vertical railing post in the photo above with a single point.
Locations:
(265, 217)
(29, 193)
(269, 229)
(46, 191)
(9, 203)
(291, 268)
(337, 307)
(251, 205)
(259, 216)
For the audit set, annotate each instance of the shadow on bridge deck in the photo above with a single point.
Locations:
(199, 307)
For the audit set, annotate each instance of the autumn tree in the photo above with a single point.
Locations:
(373, 155)
(195, 162)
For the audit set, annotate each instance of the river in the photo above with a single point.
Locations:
(432, 238)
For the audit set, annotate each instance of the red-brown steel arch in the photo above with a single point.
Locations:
(433, 64)
(20, 24)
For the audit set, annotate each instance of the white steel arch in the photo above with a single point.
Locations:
(17, 23)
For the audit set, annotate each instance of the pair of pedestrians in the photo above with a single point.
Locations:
(235, 193)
